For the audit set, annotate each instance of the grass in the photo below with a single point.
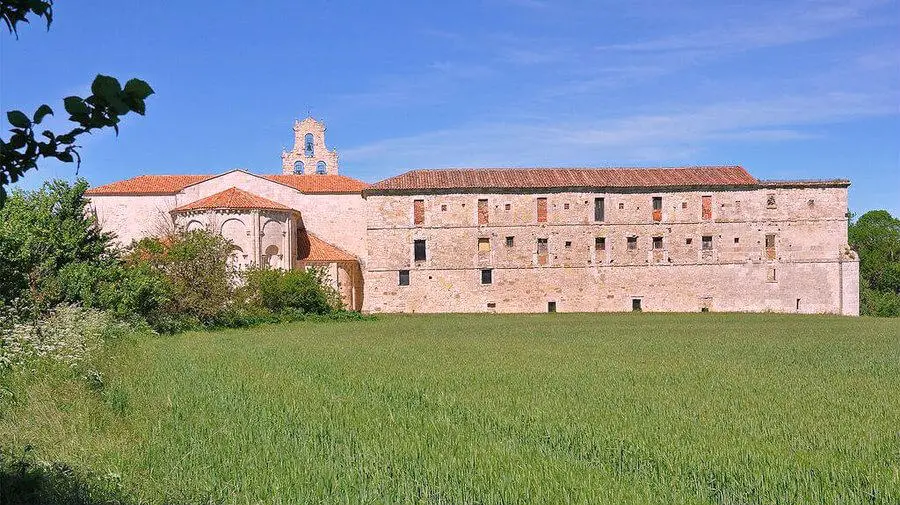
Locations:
(551, 408)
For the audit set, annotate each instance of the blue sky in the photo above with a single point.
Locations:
(788, 89)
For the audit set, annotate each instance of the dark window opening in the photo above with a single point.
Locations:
(510, 241)
(621, 206)
(551, 306)
(737, 240)
(600, 243)
(657, 243)
(419, 250)
(798, 304)
(657, 203)
(568, 244)
(492, 305)
(704, 309)
(444, 208)
(599, 209)
(635, 304)
(486, 276)
(632, 243)
(507, 206)
(688, 241)
(683, 205)
(566, 206)
(707, 243)
(770, 201)
(404, 278)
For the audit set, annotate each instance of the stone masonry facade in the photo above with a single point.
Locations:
(518, 240)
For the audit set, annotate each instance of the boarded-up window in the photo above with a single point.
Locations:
(418, 211)
(404, 278)
(600, 243)
(657, 243)
(657, 208)
(482, 212)
(542, 251)
(599, 209)
(771, 276)
(419, 250)
(484, 245)
(770, 247)
(707, 243)
(542, 210)
(632, 243)
(707, 207)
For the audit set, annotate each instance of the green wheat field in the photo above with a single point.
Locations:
(491, 409)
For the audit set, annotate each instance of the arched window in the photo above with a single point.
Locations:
(298, 167)
(308, 145)
(320, 168)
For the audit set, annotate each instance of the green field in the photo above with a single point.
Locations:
(491, 409)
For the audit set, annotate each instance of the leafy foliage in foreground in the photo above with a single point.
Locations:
(493, 409)
(102, 109)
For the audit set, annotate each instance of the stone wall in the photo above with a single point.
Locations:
(739, 273)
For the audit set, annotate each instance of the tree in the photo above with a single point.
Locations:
(875, 236)
(102, 109)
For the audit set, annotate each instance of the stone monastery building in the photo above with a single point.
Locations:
(518, 240)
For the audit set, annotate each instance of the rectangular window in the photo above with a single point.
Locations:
(600, 243)
(551, 306)
(484, 245)
(482, 212)
(632, 243)
(770, 247)
(599, 209)
(707, 243)
(507, 206)
(568, 244)
(486, 276)
(510, 241)
(404, 278)
(542, 210)
(771, 276)
(657, 243)
(770, 201)
(418, 211)
(542, 251)
(635, 304)
(657, 208)
(706, 207)
(444, 208)
(419, 250)
(565, 206)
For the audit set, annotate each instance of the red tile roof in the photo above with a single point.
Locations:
(232, 198)
(547, 178)
(319, 183)
(313, 249)
(171, 184)
(149, 185)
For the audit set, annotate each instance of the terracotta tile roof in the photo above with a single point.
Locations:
(171, 184)
(312, 248)
(319, 183)
(149, 185)
(547, 178)
(232, 198)
(807, 183)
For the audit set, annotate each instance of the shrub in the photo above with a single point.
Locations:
(298, 291)
(195, 275)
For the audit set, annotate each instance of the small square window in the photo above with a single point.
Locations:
(657, 243)
(707, 243)
(621, 206)
(566, 206)
(632, 243)
(510, 241)
(568, 244)
(683, 205)
(600, 243)
(737, 240)
(404, 278)
(507, 207)
(444, 208)
(688, 241)
(486, 276)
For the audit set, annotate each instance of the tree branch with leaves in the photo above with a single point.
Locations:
(104, 108)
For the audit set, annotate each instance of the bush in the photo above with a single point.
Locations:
(297, 291)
